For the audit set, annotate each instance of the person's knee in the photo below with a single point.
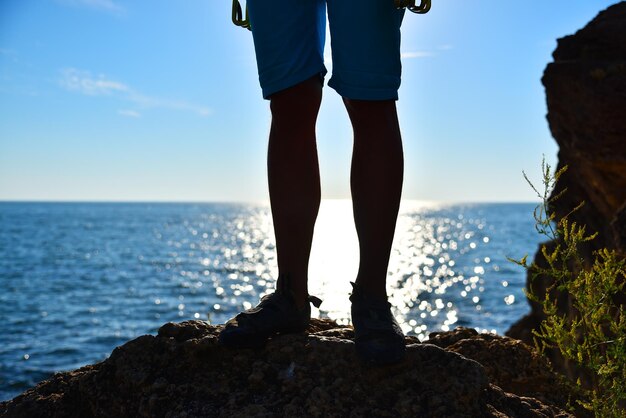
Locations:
(298, 103)
(372, 115)
(369, 108)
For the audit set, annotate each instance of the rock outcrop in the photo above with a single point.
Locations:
(586, 96)
(184, 372)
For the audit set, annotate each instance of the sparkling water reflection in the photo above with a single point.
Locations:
(448, 266)
(79, 279)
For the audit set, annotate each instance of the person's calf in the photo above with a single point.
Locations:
(293, 176)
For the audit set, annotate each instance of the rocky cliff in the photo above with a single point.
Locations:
(586, 96)
(183, 372)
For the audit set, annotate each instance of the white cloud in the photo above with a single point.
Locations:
(85, 83)
(425, 53)
(129, 113)
(416, 54)
(156, 102)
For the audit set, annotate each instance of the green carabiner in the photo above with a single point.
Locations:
(238, 18)
(423, 8)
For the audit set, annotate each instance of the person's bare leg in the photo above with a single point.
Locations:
(376, 184)
(294, 181)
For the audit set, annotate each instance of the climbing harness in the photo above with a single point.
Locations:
(244, 22)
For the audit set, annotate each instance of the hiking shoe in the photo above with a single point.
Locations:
(377, 336)
(276, 313)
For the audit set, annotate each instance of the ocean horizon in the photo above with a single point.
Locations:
(80, 278)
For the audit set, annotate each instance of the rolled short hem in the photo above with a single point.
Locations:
(292, 80)
(363, 93)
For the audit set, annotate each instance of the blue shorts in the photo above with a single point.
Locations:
(289, 40)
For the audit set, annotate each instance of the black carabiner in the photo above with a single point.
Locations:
(238, 18)
(423, 8)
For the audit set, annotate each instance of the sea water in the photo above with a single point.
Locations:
(78, 279)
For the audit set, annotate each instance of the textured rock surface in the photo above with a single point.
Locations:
(586, 95)
(183, 372)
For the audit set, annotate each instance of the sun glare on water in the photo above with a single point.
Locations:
(335, 260)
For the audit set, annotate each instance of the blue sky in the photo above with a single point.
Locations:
(158, 101)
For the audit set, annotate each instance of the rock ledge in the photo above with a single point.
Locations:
(183, 372)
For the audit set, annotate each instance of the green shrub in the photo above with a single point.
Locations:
(594, 337)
